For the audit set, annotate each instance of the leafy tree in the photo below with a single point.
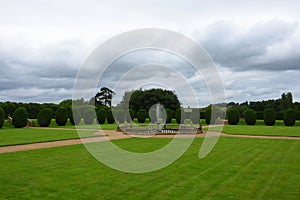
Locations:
(269, 116)
(104, 97)
(20, 117)
(170, 114)
(144, 99)
(44, 117)
(141, 115)
(129, 115)
(289, 117)
(61, 116)
(101, 116)
(1, 117)
(250, 117)
(286, 101)
(233, 116)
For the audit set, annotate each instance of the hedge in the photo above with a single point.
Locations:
(170, 114)
(109, 116)
(269, 116)
(208, 116)
(44, 117)
(178, 116)
(61, 116)
(289, 117)
(141, 115)
(2, 117)
(250, 117)
(101, 116)
(75, 116)
(20, 117)
(233, 116)
(89, 116)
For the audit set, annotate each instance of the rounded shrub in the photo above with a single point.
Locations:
(208, 116)
(101, 116)
(233, 116)
(178, 116)
(141, 115)
(170, 114)
(110, 117)
(269, 116)
(20, 117)
(44, 117)
(61, 116)
(1, 117)
(250, 117)
(75, 116)
(289, 117)
(89, 116)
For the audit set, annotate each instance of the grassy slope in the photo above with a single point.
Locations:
(237, 168)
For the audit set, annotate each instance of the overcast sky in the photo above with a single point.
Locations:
(254, 44)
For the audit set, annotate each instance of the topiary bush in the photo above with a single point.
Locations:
(89, 116)
(101, 116)
(233, 116)
(141, 115)
(208, 116)
(269, 116)
(75, 116)
(170, 114)
(110, 117)
(44, 117)
(250, 117)
(20, 117)
(178, 116)
(61, 116)
(289, 117)
(1, 117)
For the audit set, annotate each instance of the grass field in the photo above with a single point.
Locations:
(237, 168)
(11, 136)
(279, 129)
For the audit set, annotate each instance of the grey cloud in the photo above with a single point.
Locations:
(240, 48)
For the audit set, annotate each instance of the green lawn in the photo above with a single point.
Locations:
(237, 168)
(11, 136)
(279, 129)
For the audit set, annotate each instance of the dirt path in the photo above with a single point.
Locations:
(114, 135)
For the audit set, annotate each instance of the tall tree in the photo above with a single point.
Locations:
(104, 97)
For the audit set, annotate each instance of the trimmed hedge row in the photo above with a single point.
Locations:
(20, 117)
(44, 117)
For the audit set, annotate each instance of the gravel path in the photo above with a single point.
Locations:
(114, 135)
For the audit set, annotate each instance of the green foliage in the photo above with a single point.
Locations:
(289, 117)
(20, 117)
(75, 116)
(110, 117)
(269, 116)
(178, 116)
(120, 115)
(250, 117)
(104, 97)
(89, 115)
(259, 115)
(202, 114)
(129, 115)
(152, 115)
(170, 114)
(279, 115)
(208, 115)
(233, 116)
(61, 116)
(144, 99)
(101, 116)
(1, 117)
(141, 115)
(44, 117)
